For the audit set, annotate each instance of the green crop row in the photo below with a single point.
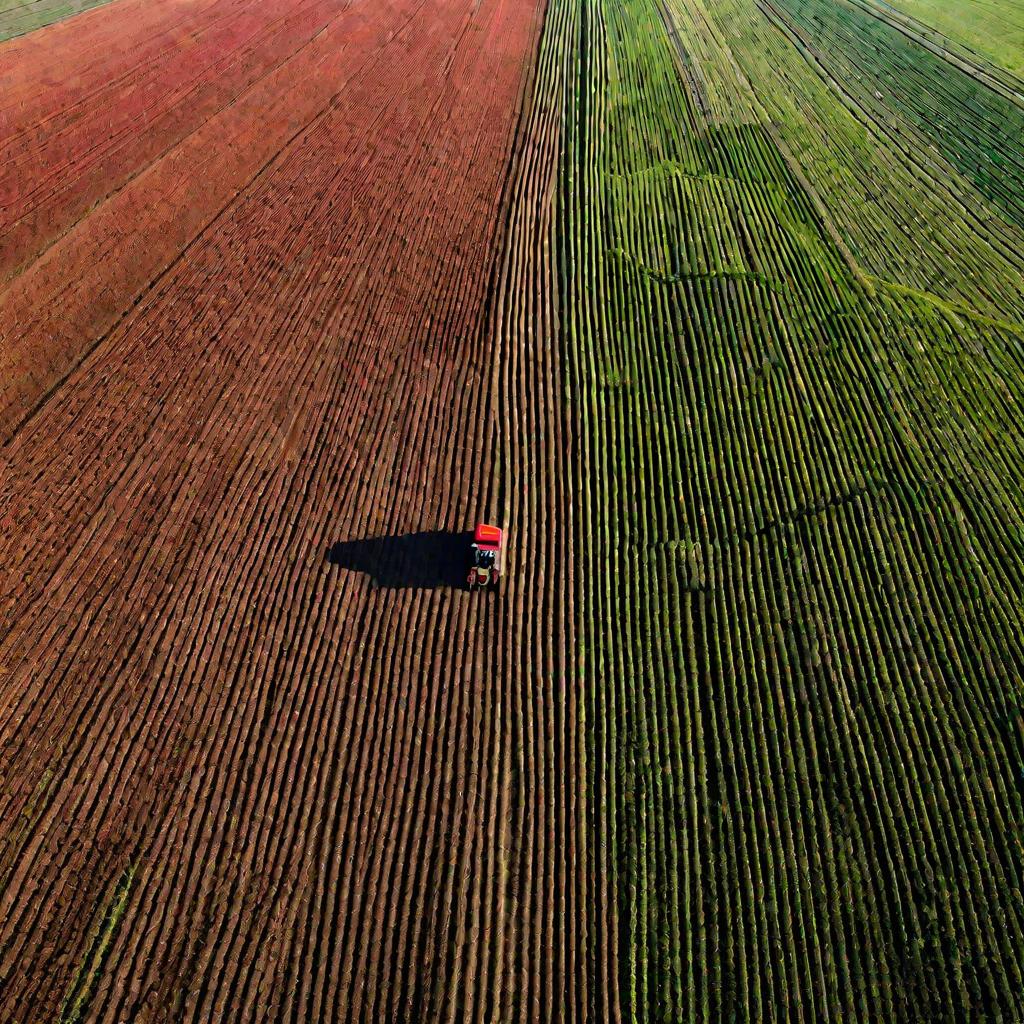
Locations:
(908, 214)
(799, 520)
(928, 102)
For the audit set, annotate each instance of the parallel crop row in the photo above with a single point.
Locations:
(929, 101)
(800, 556)
(909, 215)
(990, 37)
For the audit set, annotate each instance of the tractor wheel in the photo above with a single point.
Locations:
(494, 578)
(471, 579)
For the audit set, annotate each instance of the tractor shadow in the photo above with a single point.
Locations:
(408, 561)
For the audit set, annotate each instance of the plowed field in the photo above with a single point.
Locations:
(257, 761)
(717, 307)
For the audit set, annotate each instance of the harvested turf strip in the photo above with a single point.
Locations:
(315, 770)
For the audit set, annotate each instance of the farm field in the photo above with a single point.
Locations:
(18, 17)
(717, 306)
(798, 511)
(240, 779)
(995, 30)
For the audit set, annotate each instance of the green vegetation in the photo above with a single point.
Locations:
(801, 525)
(908, 215)
(76, 1002)
(992, 28)
(20, 16)
(917, 94)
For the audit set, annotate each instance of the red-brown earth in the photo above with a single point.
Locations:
(261, 757)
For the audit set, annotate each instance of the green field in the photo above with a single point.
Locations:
(789, 241)
(992, 28)
(17, 17)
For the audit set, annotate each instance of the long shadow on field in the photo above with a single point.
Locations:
(415, 561)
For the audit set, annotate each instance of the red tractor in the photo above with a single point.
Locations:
(486, 568)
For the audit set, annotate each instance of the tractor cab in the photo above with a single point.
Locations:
(486, 550)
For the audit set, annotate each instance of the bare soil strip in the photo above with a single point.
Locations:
(334, 793)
